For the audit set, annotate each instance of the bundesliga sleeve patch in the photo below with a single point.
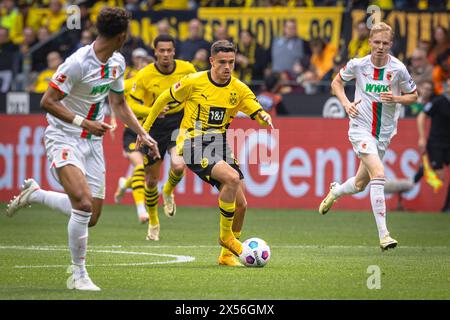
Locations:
(177, 85)
(61, 78)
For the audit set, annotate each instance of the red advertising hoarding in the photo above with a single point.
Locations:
(312, 152)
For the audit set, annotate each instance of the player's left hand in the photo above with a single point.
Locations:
(387, 97)
(113, 124)
(264, 119)
(146, 139)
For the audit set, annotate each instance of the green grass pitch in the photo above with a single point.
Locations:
(313, 256)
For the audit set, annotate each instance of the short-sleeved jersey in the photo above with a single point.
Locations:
(380, 119)
(86, 81)
(209, 106)
(439, 111)
(150, 82)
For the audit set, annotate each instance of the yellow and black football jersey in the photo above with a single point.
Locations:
(209, 107)
(150, 82)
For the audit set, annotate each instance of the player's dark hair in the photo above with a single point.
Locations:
(222, 46)
(163, 38)
(112, 21)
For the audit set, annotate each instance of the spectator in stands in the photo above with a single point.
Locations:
(40, 55)
(138, 56)
(194, 42)
(56, 17)
(439, 45)
(288, 49)
(426, 93)
(25, 18)
(87, 37)
(251, 58)
(8, 14)
(441, 73)
(41, 84)
(359, 46)
(163, 28)
(269, 97)
(221, 33)
(131, 44)
(200, 60)
(29, 40)
(132, 5)
(420, 69)
(8, 59)
(320, 66)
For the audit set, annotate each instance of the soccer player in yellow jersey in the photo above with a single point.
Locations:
(137, 180)
(211, 100)
(149, 83)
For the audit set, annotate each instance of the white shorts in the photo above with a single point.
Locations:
(86, 154)
(364, 143)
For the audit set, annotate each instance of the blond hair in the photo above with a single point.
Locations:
(381, 27)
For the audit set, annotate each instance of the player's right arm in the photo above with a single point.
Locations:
(139, 96)
(337, 88)
(421, 121)
(60, 86)
(176, 93)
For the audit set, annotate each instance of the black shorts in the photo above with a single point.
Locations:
(163, 132)
(438, 155)
(202, 153)
(129, 140)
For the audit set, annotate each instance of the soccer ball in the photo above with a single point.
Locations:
(255, 253)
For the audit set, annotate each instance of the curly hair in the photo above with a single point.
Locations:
(112, 21)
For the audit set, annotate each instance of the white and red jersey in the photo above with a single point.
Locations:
(85, 81)
(380, 119)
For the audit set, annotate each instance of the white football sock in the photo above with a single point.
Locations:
(348, 187)
(78, 238)
(379, 205)
(54, 200)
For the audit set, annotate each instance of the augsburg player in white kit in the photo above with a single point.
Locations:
(75, 109)
(382, 84)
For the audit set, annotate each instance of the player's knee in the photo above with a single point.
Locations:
(178, 168)
(232, 179)
(83, 204)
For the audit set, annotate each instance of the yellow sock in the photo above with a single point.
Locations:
(138, 184)
(226, 219)
(172, 182)
(151, 197)
(225, 251)
(128, 182)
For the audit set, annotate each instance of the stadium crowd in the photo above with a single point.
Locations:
(32, 45)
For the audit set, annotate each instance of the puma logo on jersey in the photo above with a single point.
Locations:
(377, 88)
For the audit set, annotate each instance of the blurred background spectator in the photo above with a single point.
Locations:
(251, 58)
(8, 59)
(41, 84)
(420, 69)
(439, 45)
(194, 42)
(200, 61)
(288, 49)
(359, 46)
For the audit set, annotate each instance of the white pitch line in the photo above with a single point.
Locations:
(217, 246)
(178, 258)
